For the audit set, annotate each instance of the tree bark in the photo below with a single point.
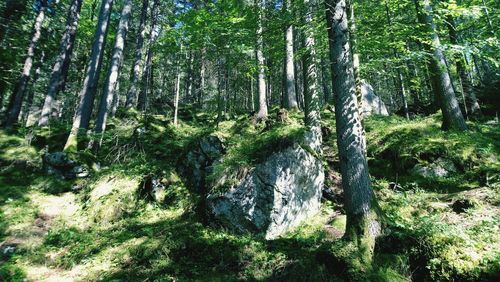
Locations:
(262, 114)
(452, 115)
(362, 225)
(17, 97)
(61, 66)
(467, 89)
(139, 50)
(399, 75)
(115, 65)
(290, 93)
(83, 111)
(311, 85)
(142, 102)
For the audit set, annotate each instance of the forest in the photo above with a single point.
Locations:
(249, 140)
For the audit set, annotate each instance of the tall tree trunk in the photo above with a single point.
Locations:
(61, 66)
(355, 55)
(311, 85)
(399, 75)
(139, 50)
(467, 89)
(28, 108)
(452, 115)
(12, 9)
(290, 93)
(362, 225)
(177, 94)
(142, 102)
(262, 114)
(109, 88)
(83, 111)
(17, 97)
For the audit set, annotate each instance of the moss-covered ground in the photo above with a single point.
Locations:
(102, 228)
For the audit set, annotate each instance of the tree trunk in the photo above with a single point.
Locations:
(83, 111)
(177, 93)
(311, 85)
(290, 93)
(142, 103)
(401, 86)
(262, 114)
(17, 97)
(355, 56)
(452, 115)
(61, 66)
(139, 50)
(29, 108)
(108, 91)
(362, 226)
(467, 89)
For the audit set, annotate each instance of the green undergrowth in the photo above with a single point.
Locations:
(395, 146)
(106, 227)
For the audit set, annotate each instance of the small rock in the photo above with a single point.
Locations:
(439, 168)
(462, 205)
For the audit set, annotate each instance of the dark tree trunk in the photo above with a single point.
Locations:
(362, 225)
(83, 111)
(311, 85)
(467, 90)
(108, 91)
(61, 66)
(139, 50)
(142, 103)
(452, 115)
(17, 97)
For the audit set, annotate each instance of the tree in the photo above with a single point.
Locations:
(467, 90)
(362, 225)
(61, 65)
(290, 93)
(115, 65)
(452, 115)
(262, 89)
(311, 95)
(139, 50)
(17, 97)
(83, 111)
(147, 73)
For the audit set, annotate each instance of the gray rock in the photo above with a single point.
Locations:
(197, 163)
(439, 168)
(59, 164)
(372, 104)
(275, 196)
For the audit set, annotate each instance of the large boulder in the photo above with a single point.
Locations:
(372, 104)
(276, 195)
(197, 163)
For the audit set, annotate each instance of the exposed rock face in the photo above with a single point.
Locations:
(372, 104)
(198, 163)
(60, 165)
(276, 195)
(439, 168)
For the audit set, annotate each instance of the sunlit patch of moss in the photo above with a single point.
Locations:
(13, 147)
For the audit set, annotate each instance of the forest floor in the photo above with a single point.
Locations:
(440, 228)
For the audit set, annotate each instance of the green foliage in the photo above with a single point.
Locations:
(395, 146)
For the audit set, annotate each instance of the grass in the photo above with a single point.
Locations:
(102, 227)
